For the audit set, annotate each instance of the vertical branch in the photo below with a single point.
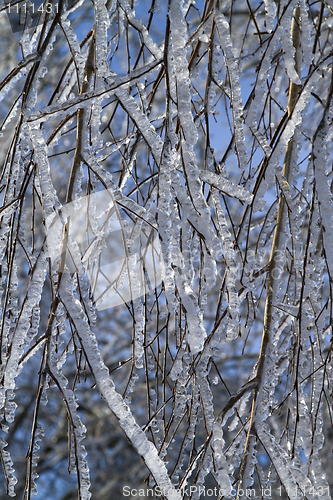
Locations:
(281, 213)
(81, 118)
(281, 220)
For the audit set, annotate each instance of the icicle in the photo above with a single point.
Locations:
(181, 262)
(134, 21)
(190, 470)
(85, 100)
(250, 464)
(306, 33)
(296, 117)
(7, 465)
(50, 198)
(226, 186)
(288, 133)
(261, 139)
(11, 116)
(95, 121)
(272, 368)
(13, 81)
(179, 64)
(42, 69)
(232, 270)
(142, 123)
(292, 478)
(288, 46)
(194, 317)
(266, 61)
(206, 465)
(234, 79)
(206, 394)
(317, 472)
(61, 110)
(221, 466)
(10, 405)
(39, 434)
(310, 435)
(114, 400)
(179, 373)
(5, 217)
(101, 44)
(136, 286)
(270, 8)
(320, 159)
(79, 60)
(235, 451)
(190, 252)
(198, 220)
(168, 221)
(78, 429)
(23, 334)
(65, 94)
(312, 294)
